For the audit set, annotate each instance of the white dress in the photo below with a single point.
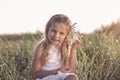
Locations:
(54, 62)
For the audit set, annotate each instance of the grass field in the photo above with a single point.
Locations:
(98, 56)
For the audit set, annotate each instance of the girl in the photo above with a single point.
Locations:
(51, 59)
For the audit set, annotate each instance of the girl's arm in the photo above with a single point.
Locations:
(73, 60)
(43, 73)
(73, 57)
(71, 68)
(36, 65)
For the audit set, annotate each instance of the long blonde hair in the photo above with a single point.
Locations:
(58, 18)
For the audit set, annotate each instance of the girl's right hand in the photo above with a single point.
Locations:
(65, 69)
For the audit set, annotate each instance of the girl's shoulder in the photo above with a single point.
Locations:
(39, 47)
(40, 43)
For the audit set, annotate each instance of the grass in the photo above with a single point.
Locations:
(98, 57)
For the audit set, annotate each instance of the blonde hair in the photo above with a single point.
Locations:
(58, 18)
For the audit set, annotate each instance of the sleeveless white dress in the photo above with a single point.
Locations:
(54, 62)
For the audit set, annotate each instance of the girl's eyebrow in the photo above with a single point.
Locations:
(53, 30)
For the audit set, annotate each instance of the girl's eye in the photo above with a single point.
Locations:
(61, 33)
(53, 31)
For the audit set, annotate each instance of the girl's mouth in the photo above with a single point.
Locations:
(56, 40)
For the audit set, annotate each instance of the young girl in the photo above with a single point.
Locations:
(53, 58)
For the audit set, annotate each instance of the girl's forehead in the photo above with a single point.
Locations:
(59, 26)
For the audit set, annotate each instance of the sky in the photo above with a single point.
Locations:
(19, 16)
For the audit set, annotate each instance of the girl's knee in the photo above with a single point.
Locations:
(71, 77)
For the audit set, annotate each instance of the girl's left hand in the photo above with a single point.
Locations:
(76, 43)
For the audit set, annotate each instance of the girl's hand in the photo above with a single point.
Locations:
(77, 42)
(65, 69)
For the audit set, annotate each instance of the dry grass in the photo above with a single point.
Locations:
(98, 57)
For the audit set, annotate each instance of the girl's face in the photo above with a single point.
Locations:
(57, 33)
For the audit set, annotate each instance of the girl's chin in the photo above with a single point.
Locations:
(56, 44)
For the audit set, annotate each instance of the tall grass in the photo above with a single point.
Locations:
(15, 62)
(16, 53)
(98, 57)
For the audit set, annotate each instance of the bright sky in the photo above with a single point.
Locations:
(18, 16)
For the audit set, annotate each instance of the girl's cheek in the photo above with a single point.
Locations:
(51, 34)
(64, 39)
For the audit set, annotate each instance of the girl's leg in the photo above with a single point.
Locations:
(71, 77)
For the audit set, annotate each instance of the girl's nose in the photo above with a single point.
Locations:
(57, 35)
